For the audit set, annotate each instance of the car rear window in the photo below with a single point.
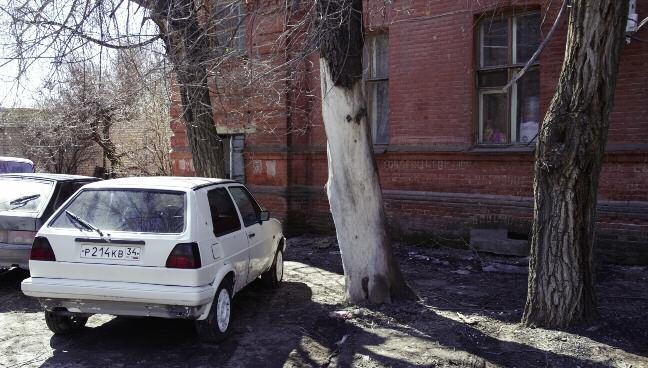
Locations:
(147, 211)
(24, 195)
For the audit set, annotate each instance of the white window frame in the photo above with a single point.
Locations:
(370, 55)
(483, 25)
(510, 67)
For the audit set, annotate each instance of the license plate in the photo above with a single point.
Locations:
(110, 252)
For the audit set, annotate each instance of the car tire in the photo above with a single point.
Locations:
(216, 327)
(64, 324)
(272, 277)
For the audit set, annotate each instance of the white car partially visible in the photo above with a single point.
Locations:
(167, 247)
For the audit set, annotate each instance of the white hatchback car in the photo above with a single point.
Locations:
(168, 247)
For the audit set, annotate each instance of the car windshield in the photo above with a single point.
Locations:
(139, 210)
(24, 195)
(15, 167)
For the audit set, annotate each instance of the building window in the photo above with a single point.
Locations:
(229, 18)
(377, 77)
(506, 43)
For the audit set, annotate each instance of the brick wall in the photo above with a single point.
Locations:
(435, 179)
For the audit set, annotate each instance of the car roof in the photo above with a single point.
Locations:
(16, 159)
(159, 182)
(48, 176)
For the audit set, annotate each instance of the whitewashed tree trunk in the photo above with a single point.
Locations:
(355, 197)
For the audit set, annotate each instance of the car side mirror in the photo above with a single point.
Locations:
(264, 216)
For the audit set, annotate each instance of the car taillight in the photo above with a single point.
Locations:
(42, 250)
(184, 255)
(20, 237)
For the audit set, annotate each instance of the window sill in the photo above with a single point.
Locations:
(512, 148)
(380, 148)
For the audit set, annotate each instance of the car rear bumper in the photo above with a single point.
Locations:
(14, 255)
(119, 298)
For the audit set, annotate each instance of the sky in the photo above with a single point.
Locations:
(27, 91)
(23, 92)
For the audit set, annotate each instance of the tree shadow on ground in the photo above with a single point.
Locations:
(275, 329)
(454, 343)
(292, 327)
(622, 307)
(623, 317)
(623, 323)
(155, 342)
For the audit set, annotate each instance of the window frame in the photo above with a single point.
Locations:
(511, 68)
(493, 91)
(238, 209)
(238, 39)
(371, 80)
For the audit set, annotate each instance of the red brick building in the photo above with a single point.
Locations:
(455, 152)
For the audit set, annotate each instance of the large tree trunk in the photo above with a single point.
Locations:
(568, 162)
(353, 188)
(187, 47)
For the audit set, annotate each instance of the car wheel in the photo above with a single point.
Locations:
(64, 324)
(272, 277)
(216, 326)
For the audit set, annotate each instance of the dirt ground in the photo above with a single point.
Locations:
(467, 317)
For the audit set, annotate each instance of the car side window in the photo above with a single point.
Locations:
(224, 217)
(246, 204)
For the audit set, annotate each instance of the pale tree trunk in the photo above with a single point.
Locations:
(568, 162)
(187, 48)
(353, 187)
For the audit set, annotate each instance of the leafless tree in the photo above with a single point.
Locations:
(116, 111)
(353, 187)
(56, 30)
(568, 162)
(142, 136)
(199, 40)
(205, 42)
(53, 144)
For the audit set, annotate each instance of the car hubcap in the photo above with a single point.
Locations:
(279, 266)
(223, 310)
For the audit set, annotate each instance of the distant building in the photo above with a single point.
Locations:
(455, 152)
(11, 123)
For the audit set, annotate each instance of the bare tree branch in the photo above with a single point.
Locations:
(92, 39)
(541, 47)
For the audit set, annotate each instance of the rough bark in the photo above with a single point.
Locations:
(568, 162)
(353, 187)
(187, 48)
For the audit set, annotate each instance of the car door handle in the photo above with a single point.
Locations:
(251, 235)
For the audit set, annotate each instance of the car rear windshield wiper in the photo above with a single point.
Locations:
(22, 201)
(83, 222)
